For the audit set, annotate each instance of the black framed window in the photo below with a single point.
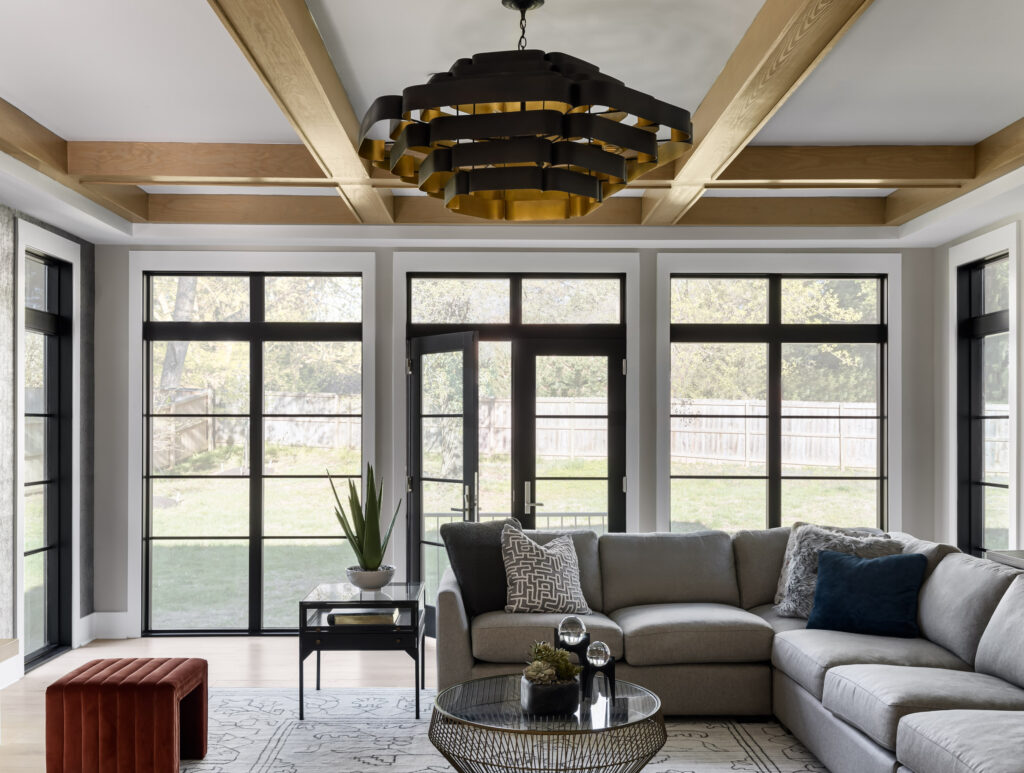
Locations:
(778, 400)
(253, 392)
(545, 361)
(983, 405)
(46, 458)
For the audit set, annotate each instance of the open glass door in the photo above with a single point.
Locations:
(443, 450)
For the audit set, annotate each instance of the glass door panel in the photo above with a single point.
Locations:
(572, 466)
(443, 450)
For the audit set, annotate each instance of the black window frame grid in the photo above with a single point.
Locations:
(775, 334)
(974, 325)
(55, 324)
(255, 332)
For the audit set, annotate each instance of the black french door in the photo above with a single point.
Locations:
(569, 409)
(567, 457)
(443, 450)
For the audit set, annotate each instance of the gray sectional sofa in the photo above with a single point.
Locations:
(690, 616)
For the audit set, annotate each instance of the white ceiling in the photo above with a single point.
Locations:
(912, 72)
(146, 70)
(671, 49)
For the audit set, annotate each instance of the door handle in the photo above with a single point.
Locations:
(528, 497)
(465, 502)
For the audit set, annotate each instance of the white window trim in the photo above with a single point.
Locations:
(1001, 240)
(499, 262)
(888, 264)
(32, 238)
(160, 260)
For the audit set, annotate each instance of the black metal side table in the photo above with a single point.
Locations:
(317, 634)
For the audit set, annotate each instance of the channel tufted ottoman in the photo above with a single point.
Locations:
(127, 715)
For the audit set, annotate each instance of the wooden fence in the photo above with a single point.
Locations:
(844, 440)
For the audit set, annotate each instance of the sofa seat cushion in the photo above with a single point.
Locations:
(660, 634)
(806, 656)
(961, 741)
(502, 637)
(779, 624)
(875, 698)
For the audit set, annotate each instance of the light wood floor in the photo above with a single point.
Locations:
(257, 661)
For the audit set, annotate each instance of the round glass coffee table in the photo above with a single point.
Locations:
(480, 727)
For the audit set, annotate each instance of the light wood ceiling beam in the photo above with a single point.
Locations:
(995, 156)
(856, 166)
(281, 41)
(33, 144)
(424, 210)
(787, 211)
(193, 163)
(202, 163)
(249, 210)
(782, 46)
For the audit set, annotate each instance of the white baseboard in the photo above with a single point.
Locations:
(11, 670)
(109, 625)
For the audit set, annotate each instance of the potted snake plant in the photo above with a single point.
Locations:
(361, 525)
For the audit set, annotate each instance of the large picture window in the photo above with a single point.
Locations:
(983, 397)
(46, 457)
(777, 401)
(254, 392)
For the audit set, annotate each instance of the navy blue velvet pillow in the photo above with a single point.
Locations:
(868, 595)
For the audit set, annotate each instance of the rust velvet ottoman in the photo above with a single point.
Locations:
(127, 715)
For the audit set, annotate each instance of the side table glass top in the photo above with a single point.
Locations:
(404, 593)
(494, 702)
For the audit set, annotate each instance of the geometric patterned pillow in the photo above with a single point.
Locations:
(541, 578)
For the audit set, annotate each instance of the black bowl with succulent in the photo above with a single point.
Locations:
(549, 684)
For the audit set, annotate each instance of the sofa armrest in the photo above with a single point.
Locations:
(454, 648)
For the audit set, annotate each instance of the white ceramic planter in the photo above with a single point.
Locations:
(370, 579)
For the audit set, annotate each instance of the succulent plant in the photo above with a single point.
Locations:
(540, 672)
(549, 665)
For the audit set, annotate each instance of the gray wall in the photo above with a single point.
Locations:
(111, 353)
(8, 262)
(920, 377)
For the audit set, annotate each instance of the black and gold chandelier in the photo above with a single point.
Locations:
(523, 135)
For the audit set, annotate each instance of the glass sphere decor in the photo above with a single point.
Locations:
(598, 654)
(571, 630)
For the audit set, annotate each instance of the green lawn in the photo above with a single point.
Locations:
(203, 583)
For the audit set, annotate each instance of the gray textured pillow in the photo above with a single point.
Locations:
(807, 542)
(541, 578)
(856, 531)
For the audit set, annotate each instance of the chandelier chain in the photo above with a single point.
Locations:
(522, 30)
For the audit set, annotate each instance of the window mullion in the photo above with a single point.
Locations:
(774, 439)
(258, 314)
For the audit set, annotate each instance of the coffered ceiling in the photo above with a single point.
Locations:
(806, 112)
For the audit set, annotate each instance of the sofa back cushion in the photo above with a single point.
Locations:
(933, 551)
(585, 543)
(1000, 652)
(958, 600)
(474, 554)
(758, 555)
(667, 568)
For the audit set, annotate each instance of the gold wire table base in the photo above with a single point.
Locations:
(495, 740)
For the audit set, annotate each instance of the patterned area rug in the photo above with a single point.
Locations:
(355, 731)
